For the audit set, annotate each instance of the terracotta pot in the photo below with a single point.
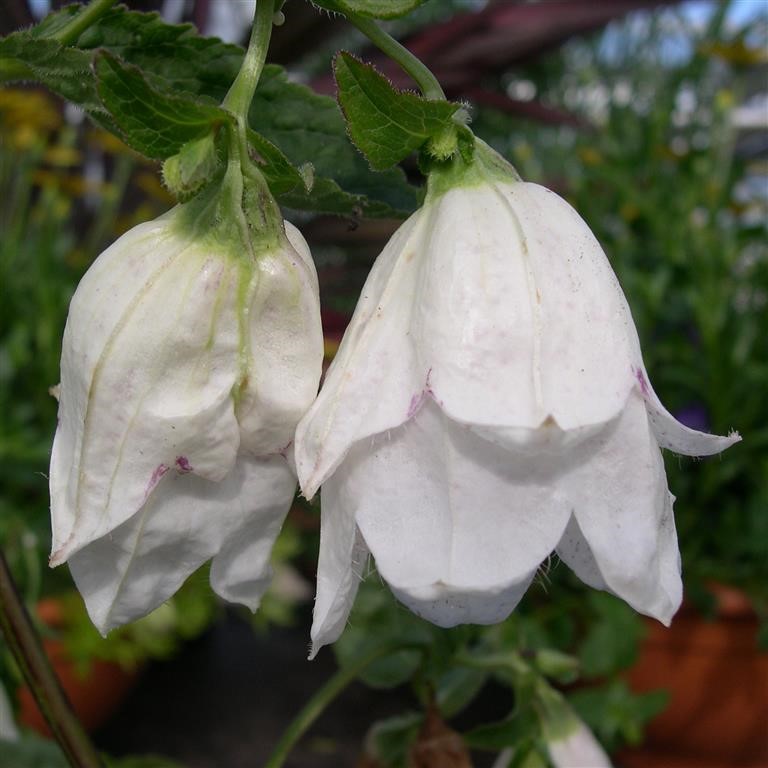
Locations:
(717, 679)
(95, 692)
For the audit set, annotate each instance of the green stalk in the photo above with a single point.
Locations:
(24, 644)
(322, 698)
(257, 213)
(238, 99)
(426, 81)
(92, 12)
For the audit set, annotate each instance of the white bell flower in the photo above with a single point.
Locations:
(489, 406)
(187, 362)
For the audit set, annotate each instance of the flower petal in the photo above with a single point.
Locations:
(343, 556)
(458, 526)
(376, 356)
(285, 346)
(622, 537)
(670, 433)
(150, 396)
(135, 568)
(521, 317)
(577, 748)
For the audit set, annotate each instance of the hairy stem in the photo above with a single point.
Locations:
(92, 12)
(426, 81)
(238, 99)
(24, 644)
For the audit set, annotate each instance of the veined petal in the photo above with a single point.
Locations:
(622, 537)
(285, 347)
(154, 398)
(370, 386)
(135, 568)
(343, 556)
(457, 525)
(522, 319)
(670, 433)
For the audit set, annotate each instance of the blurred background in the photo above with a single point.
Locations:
(651, 118)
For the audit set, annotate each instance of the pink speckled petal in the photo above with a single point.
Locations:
(147, 395)
(671, 434)
(135, 568)
(371, 384)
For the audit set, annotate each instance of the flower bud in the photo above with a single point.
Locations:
(489, 406)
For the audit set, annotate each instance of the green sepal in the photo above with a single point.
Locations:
(154, 121)
(372, 9)
(386, 124)
(557, 665)
(193, 167)
(281, 175)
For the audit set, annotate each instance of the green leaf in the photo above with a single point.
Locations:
(309, 128)
(154, 122)
(457, 688)
(386, 124)
(64, 70)
(299, 188)
(304, 127)
(616, 714)
(509, 732)
(173, 56)
(373, 9)
(613, 638)
(378, 620)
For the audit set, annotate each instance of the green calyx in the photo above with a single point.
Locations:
(228, 203)
(474, 163)
(235, 213)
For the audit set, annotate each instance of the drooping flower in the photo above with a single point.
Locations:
(189, 355)
(489, 406)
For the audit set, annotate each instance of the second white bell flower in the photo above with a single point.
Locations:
(488, 407)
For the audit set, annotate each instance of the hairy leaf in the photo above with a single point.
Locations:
(63, 70)
(154, 122)
(386, 124)
(309, 128)
(303, 128)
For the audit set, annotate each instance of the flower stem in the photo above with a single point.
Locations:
(322, 698)
(426, 81)
(92, 12)
(238, 99)
(24, 644)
